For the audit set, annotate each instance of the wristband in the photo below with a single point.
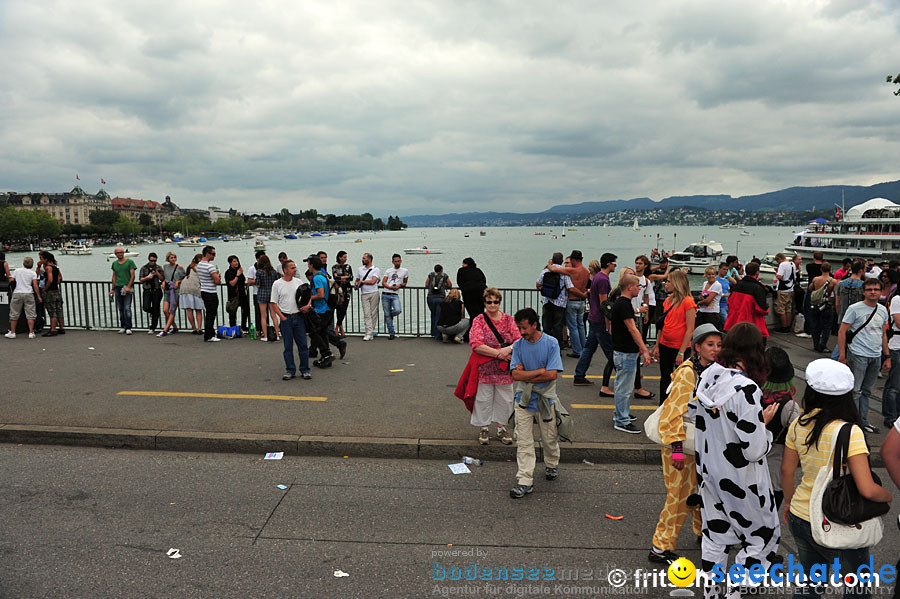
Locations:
(681, 353)
(678, 454)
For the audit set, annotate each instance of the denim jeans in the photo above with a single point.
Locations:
(891, 389)
(293, 330)
(597, 336)
(626, 368)
(820, 326)
(390, 303)
(123, 305)
(810, 553)
(434, 305)
(865, 373)
(575, 323)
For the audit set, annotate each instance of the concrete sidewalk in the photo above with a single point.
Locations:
(386, 399)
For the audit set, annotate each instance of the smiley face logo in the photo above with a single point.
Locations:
(682, 572)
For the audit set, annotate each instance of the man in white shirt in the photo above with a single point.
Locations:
(394, 279)
(23, 298)
(292, 323)
(367, 283)
(785, 278)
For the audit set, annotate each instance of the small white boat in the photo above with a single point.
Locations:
(275, 237)
(482, 233)
(422, 250)
(466, 235)
(635, 226)
(128, 254)
(745, 233)
(188, 243)
(76, 249)
(768, 265)
(260, 245)
(697, 256)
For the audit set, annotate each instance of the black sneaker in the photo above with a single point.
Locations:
(632, 418)
(870, 428)
(628, 428)
(60, 331)
(520, 491)
(392, 337)
(665, 557)
(49, 334)
(582, 382)
(552, 473)
(342, 348)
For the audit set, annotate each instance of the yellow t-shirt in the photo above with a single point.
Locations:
(813, 458)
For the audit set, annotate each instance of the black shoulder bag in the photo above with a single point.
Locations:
(851, 334)
(499, 337)
(661, 320)
(841, 500)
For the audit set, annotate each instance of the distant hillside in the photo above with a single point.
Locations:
(791, 199)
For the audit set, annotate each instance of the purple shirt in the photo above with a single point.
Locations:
(600, 285)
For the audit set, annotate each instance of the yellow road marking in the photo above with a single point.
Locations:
(609, 407)
(396, 370)
(597, 376)
(221, 395)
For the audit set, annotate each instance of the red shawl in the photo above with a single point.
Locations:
(467, 386)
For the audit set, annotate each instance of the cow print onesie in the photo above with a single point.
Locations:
(738, 505)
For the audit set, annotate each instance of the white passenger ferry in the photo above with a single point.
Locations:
(869, 229)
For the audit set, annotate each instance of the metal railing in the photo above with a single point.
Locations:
(87, 305)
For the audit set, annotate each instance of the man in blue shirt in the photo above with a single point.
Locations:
(535, 362)
(316, 324)
(726, 289)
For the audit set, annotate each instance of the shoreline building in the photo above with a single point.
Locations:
(133, 209)
(68, 208)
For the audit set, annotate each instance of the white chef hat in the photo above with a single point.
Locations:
(829, 377)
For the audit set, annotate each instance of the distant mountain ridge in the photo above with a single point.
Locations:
(792, 198)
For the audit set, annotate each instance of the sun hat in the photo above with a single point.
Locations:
(704, 331)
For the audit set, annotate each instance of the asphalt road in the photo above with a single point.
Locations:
(83, 522)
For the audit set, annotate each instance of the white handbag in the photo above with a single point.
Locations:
(831, 534)
(651, 429)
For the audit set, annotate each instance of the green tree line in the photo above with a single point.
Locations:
(22, 225)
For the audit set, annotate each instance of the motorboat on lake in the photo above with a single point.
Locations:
(422, 250)
(76, 249)
(698, 256)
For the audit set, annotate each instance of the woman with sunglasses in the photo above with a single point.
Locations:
(494, 398)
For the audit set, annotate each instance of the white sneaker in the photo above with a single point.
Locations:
(10, 335)
(121, 331)
(31, 335)
(128, 332)
(151, 332)
(211, 339)
(367, 338)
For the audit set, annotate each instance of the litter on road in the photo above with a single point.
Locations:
(614, 517)
(282, 487)
(274, 455)
(340, 574)
(459, 468)
(174, 553)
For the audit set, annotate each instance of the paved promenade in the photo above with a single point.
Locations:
(385, 399)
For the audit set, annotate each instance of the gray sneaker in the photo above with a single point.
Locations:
(520, 491)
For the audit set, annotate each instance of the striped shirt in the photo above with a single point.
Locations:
(204, 271)
(813, 458)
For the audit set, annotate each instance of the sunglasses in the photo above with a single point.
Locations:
(489, 302)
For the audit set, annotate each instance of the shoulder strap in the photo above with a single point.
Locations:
(366, 276)
(841, 449)
(871, 316)
(490, 324)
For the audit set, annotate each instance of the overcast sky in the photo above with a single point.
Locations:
(409, 107)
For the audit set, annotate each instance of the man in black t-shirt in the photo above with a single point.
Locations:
(628, 348)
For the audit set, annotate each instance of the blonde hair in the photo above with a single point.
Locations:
(680, 287)
(170, 255)
(594, 267)
(453, 294)
(710, 270)
(492, 292)
(627, 279)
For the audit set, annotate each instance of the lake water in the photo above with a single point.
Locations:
(509, 256)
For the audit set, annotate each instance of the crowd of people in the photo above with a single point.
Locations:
(731, 430)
